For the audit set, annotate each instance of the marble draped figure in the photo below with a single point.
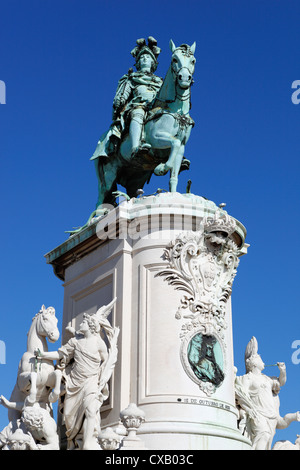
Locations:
(257, 397)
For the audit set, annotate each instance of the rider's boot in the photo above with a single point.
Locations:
(135, 129)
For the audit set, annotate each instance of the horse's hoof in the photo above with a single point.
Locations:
(160, 170)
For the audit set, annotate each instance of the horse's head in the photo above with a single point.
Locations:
(46, 323)
(183, 63)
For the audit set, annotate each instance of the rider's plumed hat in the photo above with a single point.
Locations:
(142, 48)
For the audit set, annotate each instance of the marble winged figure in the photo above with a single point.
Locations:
(151, 123)
(87, 365)
(257, 397)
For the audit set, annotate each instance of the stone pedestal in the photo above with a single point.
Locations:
(170, 260)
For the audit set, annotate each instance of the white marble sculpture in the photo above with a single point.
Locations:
(31, 424)
(287, 445)
(36, 429)
(258, 401)
(88, 365)
(109, 439)
(203, 264)
(37, 379)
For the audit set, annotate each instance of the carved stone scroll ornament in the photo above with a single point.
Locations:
(203, 265)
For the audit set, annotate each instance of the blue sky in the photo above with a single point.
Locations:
(61, 61)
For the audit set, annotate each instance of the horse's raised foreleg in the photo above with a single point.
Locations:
(175, 170)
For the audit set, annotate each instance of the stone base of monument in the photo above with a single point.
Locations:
(133, 444)
(170, 259)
